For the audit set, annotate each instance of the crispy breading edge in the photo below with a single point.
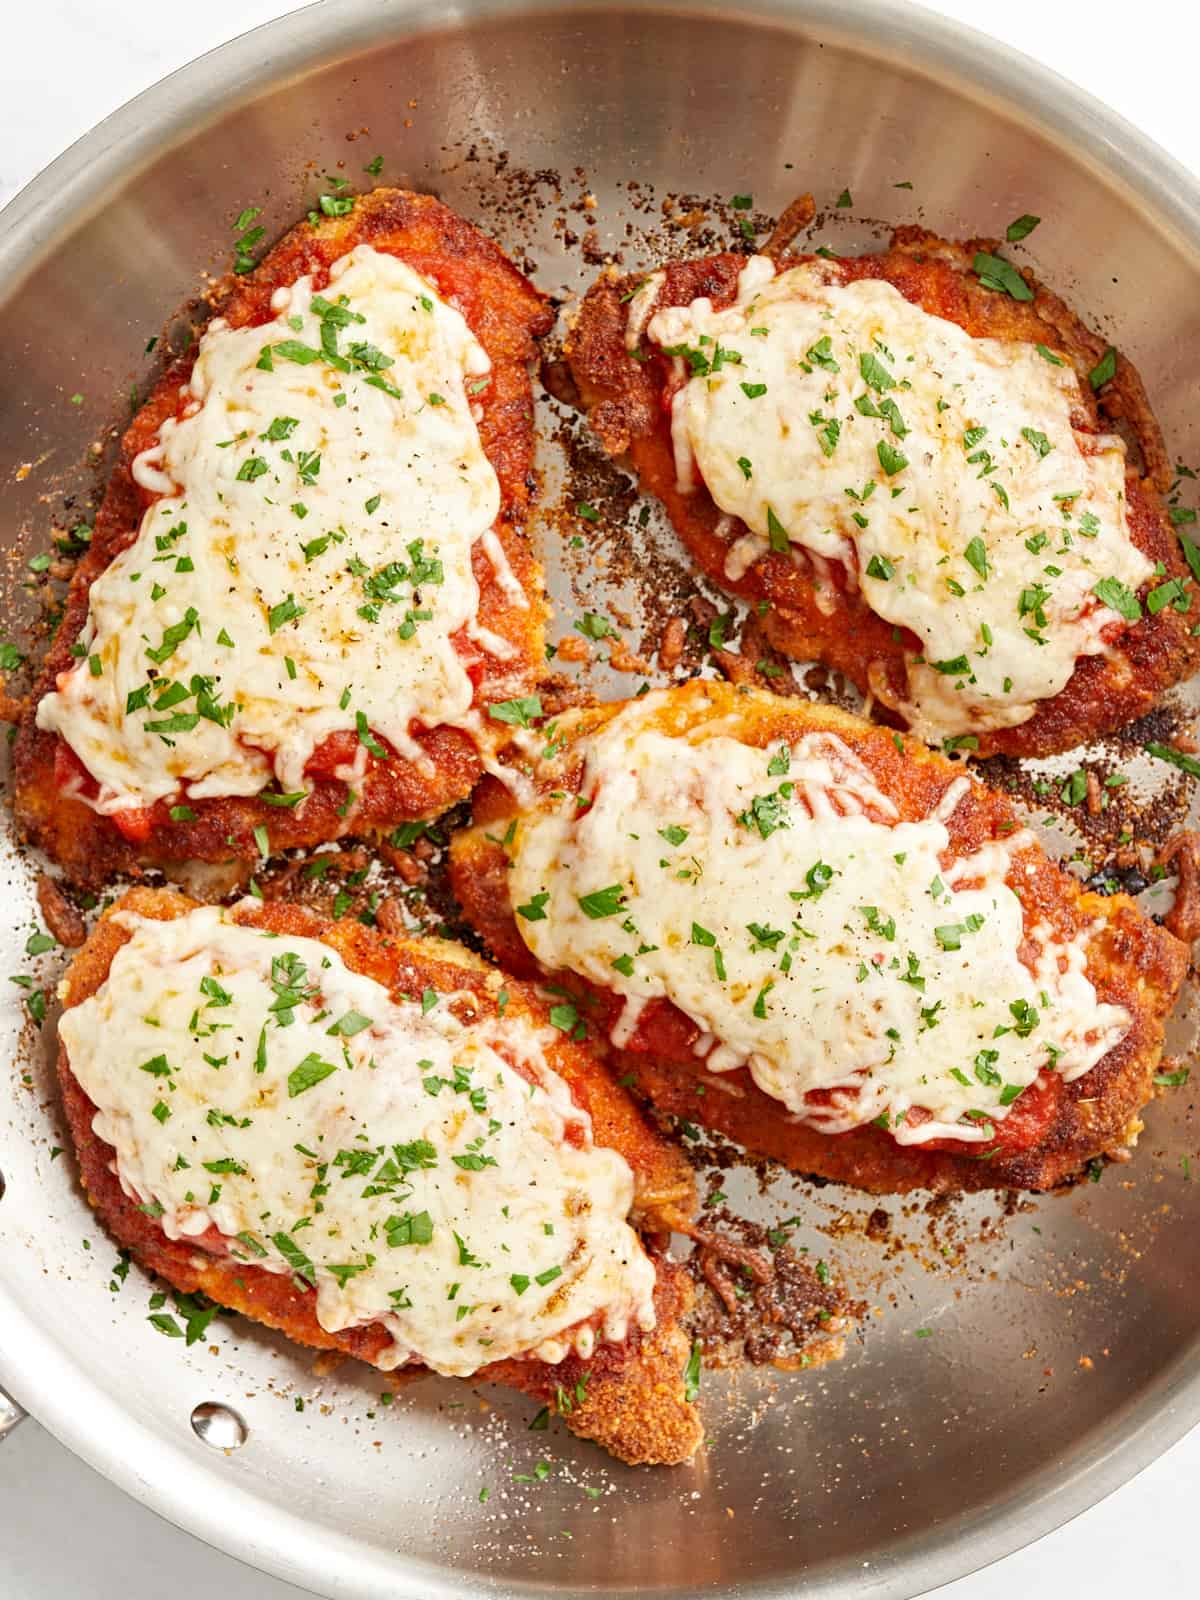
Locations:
(634, 1402)
(1131, 961)
(622, 399)
(507, 313)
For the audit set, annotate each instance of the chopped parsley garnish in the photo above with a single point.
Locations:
(348, 1025)
(473, 1161)
(418, 1155)
(366, 738)
(213, 992)
(976, 556)
(1001, 276)
(955, 666)
(311, 1071)
(777, 533)
(1173, 593)
(1118, 598)
(885, 927)
(828, 431)
(286, 611)
(411, 1228)
(248, 237)
(174, 636)
(518, 713)
(289, 980)
(1021, 228)
(874, 373)
(821, 355)
(295, 1258)
(595, 627)
(890, 459)
(818, 877)
(767, 812)
(1172, 1080)
(1075, 788)
(1025, 1018)
(603, 902)
(1177, 758)
(691, 1373)
(465, 1258)
(335, 205)
(292, 350)
(565, 1017)
(1104, 370)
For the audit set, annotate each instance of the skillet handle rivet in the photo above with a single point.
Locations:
(219, 1426)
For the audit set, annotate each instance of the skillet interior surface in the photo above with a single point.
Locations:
(1018, 1361)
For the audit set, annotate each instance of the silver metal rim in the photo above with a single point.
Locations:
(10, 1414)
(88, 1418)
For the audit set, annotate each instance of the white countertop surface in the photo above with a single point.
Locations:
(64, 1531)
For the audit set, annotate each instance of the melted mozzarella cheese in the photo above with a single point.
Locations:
(842, 423)
(310, 560)
(776, 899)
(379, 1148)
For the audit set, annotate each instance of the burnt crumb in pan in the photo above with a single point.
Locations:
(762, 1301)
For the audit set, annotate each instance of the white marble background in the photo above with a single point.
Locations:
(66, 1533)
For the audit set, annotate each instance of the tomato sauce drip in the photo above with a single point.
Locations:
(664, 1031)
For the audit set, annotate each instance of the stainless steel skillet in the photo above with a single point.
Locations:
(1064, 1347)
